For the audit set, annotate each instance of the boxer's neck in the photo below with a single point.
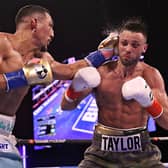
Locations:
(22, 41)
(22, 44)
(126, 71)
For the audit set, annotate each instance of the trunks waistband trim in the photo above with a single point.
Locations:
(105, 130)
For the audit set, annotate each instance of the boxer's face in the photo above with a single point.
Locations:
(131, 47)
(44, 31)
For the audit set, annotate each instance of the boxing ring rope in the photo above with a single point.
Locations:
(24, 142)
(48, 142)
(159, 138)
(51, 142)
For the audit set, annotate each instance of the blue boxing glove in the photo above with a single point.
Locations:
(31, 74)
(107, 49)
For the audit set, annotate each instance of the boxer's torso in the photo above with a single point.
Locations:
(10, 101)
(14, 54)
(114, 111)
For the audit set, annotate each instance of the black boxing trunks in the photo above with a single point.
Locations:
(117, 148)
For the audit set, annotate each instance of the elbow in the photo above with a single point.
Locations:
(67, 107)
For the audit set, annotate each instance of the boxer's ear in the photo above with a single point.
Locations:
(145, 48)
(33, 23)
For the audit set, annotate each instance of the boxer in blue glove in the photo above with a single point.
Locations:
(22, 64)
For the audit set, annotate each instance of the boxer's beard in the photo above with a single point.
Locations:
(44, 48)
(129, 62)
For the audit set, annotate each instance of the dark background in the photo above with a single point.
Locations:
(79, 27)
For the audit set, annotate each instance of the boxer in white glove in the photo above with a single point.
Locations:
(85, 78)
(139, 90)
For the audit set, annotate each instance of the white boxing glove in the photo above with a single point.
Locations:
(85, 78)
(138, 89)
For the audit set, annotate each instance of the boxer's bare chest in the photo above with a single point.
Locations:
(113, 79)
(112, 106)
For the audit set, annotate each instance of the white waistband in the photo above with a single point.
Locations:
(7, 144)
(6, 124)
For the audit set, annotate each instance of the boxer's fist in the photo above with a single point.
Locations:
(110, 44)
(139, 90)
(106, 50)
(31, 74)
(38, 73)
(85, 78)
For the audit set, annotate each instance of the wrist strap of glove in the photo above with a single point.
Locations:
(71, 95)
(155, 110)
(15, 79)
(96, 59)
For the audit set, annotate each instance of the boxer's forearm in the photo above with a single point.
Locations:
(66, 71)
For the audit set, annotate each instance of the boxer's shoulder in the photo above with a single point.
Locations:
(5, 43)
(108, 66)
(149, 70)
(5, 36)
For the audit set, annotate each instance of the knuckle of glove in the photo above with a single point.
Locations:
(139, 90)
(110, 42)
(86, 78)
(127, 91)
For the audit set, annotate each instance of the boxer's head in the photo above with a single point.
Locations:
(132, 41)
(38, 21)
